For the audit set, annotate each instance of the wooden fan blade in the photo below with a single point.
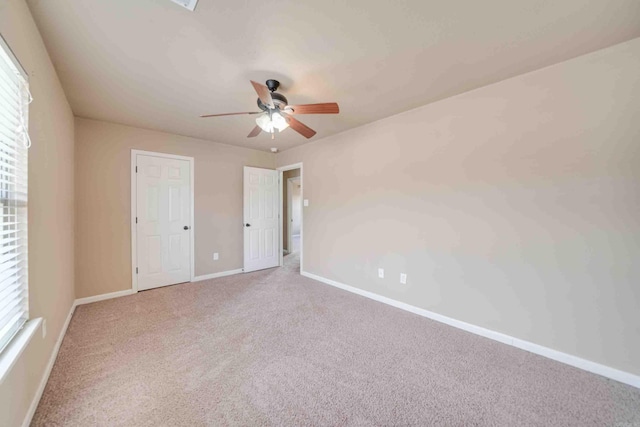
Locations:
(229, 114)
(299, 127)
(256, 130)
(325, 108)
(263, 93)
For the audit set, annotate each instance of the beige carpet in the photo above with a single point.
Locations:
(274, 348)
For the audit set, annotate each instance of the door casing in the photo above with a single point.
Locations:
(280, 170)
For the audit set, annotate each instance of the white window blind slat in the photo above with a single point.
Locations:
(5, 137)
(7, 95)
(9, 87)
(8, 110)
(5, 293)
(10, 327)
(8, 119)
(12, 297)
(14, 314)
(7, 249)
(12, 83)
(14, 140)
(10, 281)
(9, 69)
(8, 257)
(8, 265)
(7, 274)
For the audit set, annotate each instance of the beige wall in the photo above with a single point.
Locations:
(51, 213)
(285, 217)
(103, 208)
(514, 207)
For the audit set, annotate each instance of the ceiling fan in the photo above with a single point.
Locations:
(276, 114)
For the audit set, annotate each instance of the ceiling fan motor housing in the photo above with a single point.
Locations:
(279, 101)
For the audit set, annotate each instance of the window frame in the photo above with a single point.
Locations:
(20, 338)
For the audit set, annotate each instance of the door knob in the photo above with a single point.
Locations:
(186, 227)
(247, 225)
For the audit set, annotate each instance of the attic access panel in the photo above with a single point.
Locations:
(187, 4)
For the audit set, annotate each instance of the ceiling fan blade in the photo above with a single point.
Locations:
(325, 108)
(263, 93)
(299, 127)
(229, 114)
(256, 130)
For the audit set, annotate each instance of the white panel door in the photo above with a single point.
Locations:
(261, 223)
(163, 213)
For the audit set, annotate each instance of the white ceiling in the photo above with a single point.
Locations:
(154, 64)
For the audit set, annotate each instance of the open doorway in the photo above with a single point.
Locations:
(291, 215)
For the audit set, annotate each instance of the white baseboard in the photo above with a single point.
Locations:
(126, 292)
(56, 348)
(47, 371)
(216, 275)
(587, 365)
(103, 297)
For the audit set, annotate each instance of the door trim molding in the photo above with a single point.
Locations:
(280, 170)
(134, 195)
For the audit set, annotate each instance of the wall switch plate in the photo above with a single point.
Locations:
(381, 273)
(44, 328)
(403, 278)
(306, 202)
(215, 256)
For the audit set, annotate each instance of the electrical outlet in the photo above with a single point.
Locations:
(403, 278)
(305, 202)
(381, 273)
(215, 256)
(44, 328)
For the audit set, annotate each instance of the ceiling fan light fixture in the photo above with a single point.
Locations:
(269, 124)
(279, 122)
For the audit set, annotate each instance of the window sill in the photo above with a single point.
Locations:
(12, 352)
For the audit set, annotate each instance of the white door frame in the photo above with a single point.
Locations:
(280, 170)
(134, 229)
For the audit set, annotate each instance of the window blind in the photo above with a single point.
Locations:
(14, 142)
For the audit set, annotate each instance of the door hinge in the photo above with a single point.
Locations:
(136, 270)
(136, 169)
(136, 220)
